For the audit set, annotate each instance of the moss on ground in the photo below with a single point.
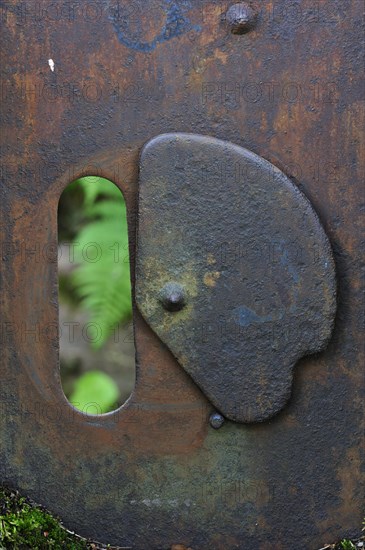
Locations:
(25, 525)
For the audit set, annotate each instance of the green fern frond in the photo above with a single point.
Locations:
(101, 277)
(94, 186)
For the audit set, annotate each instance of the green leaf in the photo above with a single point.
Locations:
(101, 278)
(95, 393)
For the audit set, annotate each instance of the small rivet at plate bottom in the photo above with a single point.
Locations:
(216, 420)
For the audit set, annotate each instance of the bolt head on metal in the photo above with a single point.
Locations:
(172, 297)
(216, 420)
(241, 18)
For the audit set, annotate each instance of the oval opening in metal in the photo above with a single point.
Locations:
(97, 354)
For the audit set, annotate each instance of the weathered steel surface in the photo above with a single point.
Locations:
(155, 473)
(253, 265)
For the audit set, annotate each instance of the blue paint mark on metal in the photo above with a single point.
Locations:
(245, 316)
(175, 25)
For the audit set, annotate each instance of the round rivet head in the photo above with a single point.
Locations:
(241, 18)
(216, 420)
(172, 297)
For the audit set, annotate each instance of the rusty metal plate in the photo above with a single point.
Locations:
(154, 473)
(234, 271)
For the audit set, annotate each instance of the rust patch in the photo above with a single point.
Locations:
(211, 278)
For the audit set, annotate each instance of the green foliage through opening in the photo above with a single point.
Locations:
(92, 220)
